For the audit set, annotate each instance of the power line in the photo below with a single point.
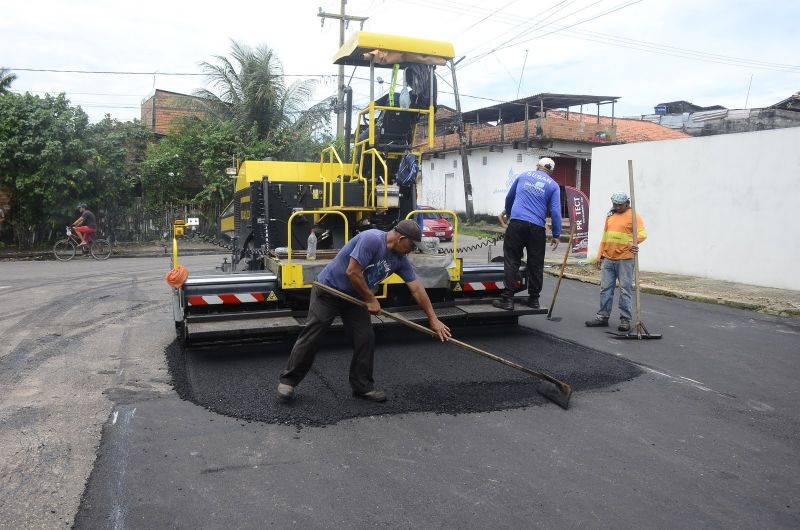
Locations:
(490, 15)
(638, 45)
(507, 44)
(460, 9)
(77, 93)
(99, 106)
(116, 72)
(536, 24)
(675, 51)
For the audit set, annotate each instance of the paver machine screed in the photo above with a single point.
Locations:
(372, 184)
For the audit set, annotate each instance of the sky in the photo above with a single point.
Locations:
(735, 53)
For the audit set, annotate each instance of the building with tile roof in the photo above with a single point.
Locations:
(504, 140)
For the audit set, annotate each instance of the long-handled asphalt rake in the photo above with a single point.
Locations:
(639, 330)
(561, 274)
(556, 391)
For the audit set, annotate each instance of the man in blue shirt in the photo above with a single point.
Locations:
(364, 262)
(532, 195)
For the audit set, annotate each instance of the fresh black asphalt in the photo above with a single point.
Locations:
(706, 436)
(419, 374)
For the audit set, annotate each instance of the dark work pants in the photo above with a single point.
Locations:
(322, 309)
(522, 235)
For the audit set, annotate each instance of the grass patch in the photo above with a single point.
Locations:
(477, 231)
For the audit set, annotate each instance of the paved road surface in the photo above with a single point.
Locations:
(705, 436)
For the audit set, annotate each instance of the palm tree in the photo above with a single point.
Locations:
(6, 78)
(251, 92)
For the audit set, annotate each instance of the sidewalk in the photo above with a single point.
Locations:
(781, 302)
(124, 250)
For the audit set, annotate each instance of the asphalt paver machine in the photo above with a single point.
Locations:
(277, 204)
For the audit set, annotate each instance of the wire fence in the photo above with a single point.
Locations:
(118, 223)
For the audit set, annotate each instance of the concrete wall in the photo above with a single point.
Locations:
(722, 207)
(492, 173)
(442, 184)
(707, 123)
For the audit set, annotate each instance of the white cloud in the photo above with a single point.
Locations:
(176, 36)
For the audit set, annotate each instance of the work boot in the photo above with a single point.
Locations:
(624, 325)
(285, 391)
(597, 322)
(504, 303)
(378, 396)
(532, 302)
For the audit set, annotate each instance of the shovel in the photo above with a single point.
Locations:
(639, 330)
(559, 393)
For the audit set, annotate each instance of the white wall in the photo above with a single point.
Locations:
(723, 207)
(490, 182)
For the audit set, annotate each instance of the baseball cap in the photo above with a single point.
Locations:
(546, 162)
(410, 229)
(620, 198)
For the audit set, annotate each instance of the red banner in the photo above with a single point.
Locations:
(578, 208)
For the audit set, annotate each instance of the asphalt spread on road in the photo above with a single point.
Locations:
(419, 374)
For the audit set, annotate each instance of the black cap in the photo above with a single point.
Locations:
(410, 229)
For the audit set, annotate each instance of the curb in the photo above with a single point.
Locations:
(692, 296)
(48, 255)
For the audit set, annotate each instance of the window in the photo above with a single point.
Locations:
(519, 157)
(431, 216)
(455, 163)
(485, 160)
(432, 166)
(228, 210)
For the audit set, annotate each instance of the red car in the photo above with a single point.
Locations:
(436, 225)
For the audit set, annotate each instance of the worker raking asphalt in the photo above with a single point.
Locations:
(418, 374)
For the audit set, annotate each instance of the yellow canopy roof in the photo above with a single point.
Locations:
(386, 50)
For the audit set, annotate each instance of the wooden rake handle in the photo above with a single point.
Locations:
(562, 386)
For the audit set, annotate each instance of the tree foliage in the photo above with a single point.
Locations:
(42, 159)
(51, 158)
(188, 165)
(6, 78)
(115, 151)
(249, 90)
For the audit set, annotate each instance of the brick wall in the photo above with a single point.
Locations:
(555, 128)
(162, 110)
(5, 199)
(5, 204)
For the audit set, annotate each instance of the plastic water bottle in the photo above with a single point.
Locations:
(311, 247)
(405, 98)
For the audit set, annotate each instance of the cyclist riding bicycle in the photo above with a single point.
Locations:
(85, 225)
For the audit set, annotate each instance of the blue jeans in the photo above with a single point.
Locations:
(611, 271)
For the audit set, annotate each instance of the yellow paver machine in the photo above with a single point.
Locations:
(277, 205)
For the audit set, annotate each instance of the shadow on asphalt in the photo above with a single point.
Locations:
(417, 373)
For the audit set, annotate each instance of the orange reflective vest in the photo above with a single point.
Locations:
(618, 234)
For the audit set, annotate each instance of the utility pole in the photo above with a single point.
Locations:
(344, 21)
(521, 74)
(462, 146)
(747, 98)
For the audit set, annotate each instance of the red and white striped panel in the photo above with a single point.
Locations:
(482, 286)
(230, 298)
(485, 286)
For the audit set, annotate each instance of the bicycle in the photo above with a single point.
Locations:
(65, 249)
